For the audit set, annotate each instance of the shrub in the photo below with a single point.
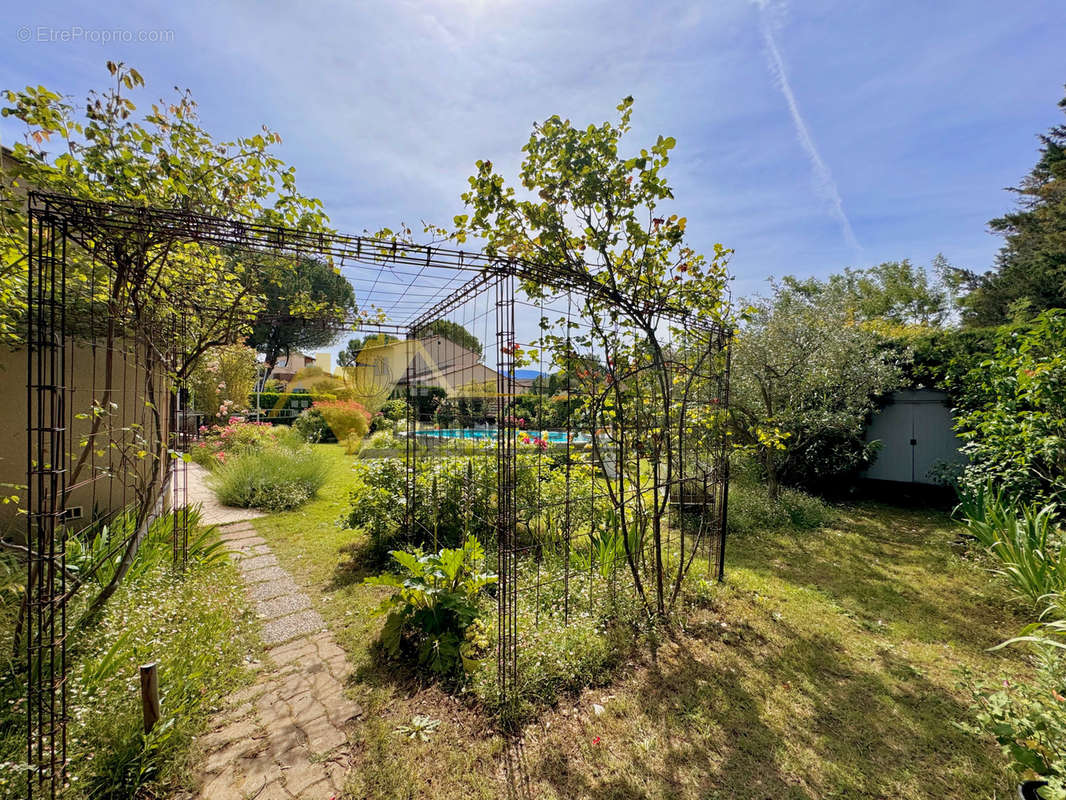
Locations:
(1012, 414)
(347, 419)
(222, 379)
(555, 660)
(192, 625)
(395, 410)
(455, 496)
(383, 440)
(1022, 537)
(751, 509)
(312, 428)
(276, 479)
(436, 599)
(91, 552)
(1030, 550)
(224, 441)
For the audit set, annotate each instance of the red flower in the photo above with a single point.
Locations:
(595, 739)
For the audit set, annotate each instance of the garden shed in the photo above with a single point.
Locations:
(917, 437)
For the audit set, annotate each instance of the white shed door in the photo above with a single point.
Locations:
(915, 437)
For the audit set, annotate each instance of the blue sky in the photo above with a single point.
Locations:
(812, 135)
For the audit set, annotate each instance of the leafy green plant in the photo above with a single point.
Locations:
(421, 728)
(984, 510)
(1012, 412)
(556, 659)
(311, 427)
(752, 510)
(606, 550)
(221, 442)
(453, 492)
(94, 554)
(222, 380)
(275, 479)
(383, 440)
(1030, 550)
(394, 410)
(1028, 720)
(1023, 537)
(436, 599)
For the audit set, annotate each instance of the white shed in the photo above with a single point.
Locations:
(916, 434)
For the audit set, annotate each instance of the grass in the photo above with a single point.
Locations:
(826, 667)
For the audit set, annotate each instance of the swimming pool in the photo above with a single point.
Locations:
(490, 434)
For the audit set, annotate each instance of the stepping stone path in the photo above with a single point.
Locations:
(285, 736)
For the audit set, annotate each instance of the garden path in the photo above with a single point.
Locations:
(285, 736)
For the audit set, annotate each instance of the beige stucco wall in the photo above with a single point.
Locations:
(112, 471)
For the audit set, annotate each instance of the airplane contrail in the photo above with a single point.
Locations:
(824, 177)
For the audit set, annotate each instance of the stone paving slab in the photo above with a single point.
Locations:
(258, 562)
(292, 626)
(265, 574)
(282, 605)
(286, 736)
(268, 589)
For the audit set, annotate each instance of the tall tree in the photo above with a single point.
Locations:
(806, 373)
(1030, 271)
(588, 208)
(306, 301)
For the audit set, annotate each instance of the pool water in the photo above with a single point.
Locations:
(554, 437)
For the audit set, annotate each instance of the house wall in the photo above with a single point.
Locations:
(112, 471)
(435, 354)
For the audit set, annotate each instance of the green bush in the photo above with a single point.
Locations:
(311, 426)
(222, 379)
(454, 495)
(751, 509)
(223, 441)
(984, 510)
(554, 660)
(346, 418)
(435, 601)
(383, 440)
(395, 410)
(1023, 538)
(1012, 412)
(276, 479)
(92, 553)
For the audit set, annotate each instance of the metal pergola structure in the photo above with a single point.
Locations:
(130, 325)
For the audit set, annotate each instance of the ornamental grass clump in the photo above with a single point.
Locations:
(274, 479)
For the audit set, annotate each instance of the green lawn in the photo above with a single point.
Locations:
(826, 667)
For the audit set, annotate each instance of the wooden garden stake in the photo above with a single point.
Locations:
(150, 695)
